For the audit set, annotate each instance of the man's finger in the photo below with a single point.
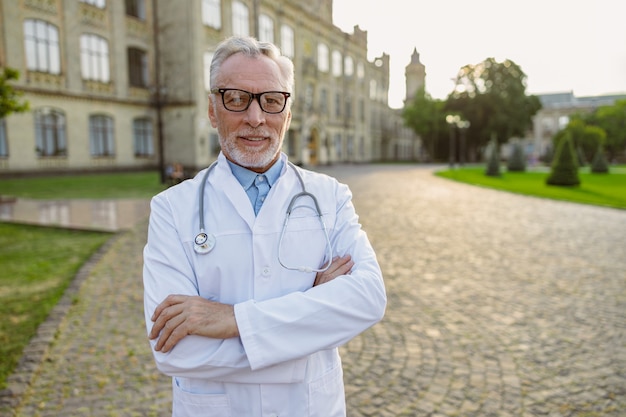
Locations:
(172, 332)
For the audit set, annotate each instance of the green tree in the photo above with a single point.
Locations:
(564, 166)
(492, 96)
(426, 117)
(10, 99)
(612, 119)
(593, 137)
(585, 138)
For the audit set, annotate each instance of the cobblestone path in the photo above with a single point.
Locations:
(499, 305)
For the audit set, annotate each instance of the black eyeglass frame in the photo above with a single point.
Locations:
(252, 96)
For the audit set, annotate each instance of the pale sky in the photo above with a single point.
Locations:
(561, 45)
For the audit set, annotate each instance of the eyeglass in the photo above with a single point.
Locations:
(239, 100)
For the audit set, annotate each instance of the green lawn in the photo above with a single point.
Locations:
(38, 264)
(123, 185)
(34, 276)
(597, 189)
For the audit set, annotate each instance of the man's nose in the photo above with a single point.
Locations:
(254, 114)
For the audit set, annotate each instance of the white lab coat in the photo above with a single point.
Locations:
(286, 360)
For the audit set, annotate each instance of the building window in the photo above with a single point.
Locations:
(287, 41)
(360, 70)
(348, 107)
(4, 146)
(94, 58)
(337, 105)
(137, 67)
(42, 46)
(348, 66)
(101, 137)
(142, 136)
(98, 3)
(336, 63)
(266, 28)
(136, 8)
(373, 90)
(241, 21)
(323, 63)
(50, 133)
(212, 13)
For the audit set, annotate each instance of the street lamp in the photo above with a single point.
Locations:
(463, 125)
(455, 122)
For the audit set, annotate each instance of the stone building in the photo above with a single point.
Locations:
(118, 84)
(555, 115)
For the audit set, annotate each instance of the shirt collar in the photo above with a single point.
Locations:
(246, 177)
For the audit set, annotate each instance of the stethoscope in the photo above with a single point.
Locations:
(205, 242)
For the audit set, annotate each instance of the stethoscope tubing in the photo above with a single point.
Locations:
(204, 242)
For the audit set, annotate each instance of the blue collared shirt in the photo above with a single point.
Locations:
(246, 178)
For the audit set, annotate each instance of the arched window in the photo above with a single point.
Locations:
(50, 133)
(41, 41)
(323, 63)
(348, 66)
(266, 28)
(101, 136)
(337, 63)
(94, 58)
(142, 137)
(212, 13)
(287, 41)
(137, 67)
(241, 19)
(136, 8)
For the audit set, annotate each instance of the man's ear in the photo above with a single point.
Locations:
(212, 115)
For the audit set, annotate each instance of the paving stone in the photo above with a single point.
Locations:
(499, 305)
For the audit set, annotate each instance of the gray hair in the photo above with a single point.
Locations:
(252, 48)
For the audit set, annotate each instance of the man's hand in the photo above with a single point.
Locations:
(339, 266)
(180, 315)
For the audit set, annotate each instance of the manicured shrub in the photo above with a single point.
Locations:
(517, 160)
(564, 170)
(600, 165)
(493, 163)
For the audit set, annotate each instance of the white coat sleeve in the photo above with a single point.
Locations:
(166, 271)
(326, 316)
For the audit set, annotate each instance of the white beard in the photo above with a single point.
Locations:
(250, 159)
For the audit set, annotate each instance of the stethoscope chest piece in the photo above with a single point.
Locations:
(204, 242)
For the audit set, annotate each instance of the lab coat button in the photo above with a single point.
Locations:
(266, 271)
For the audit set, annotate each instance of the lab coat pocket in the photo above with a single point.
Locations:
(304, 242)
(326, 395)
(188, 404)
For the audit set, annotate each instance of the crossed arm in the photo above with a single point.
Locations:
(181, 315)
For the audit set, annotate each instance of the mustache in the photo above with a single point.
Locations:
(254, 132)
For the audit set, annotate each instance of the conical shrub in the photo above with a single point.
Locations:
(493, 163)
(517, 160)
(600, 165)
(564, 166)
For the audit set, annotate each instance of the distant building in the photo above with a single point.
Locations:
(123, 84)
(557, 108)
